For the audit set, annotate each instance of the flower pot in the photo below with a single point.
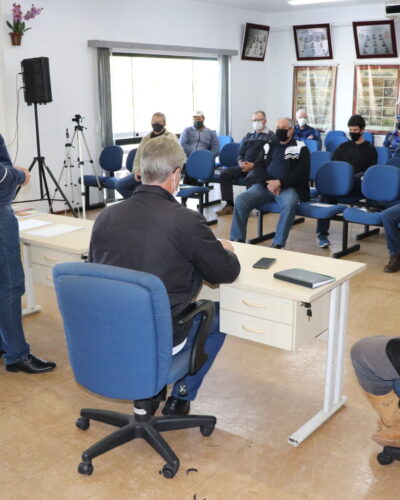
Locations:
(15, 38)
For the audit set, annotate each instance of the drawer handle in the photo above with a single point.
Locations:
(48, 277)
(52, 259)
(259, 306)
(251, 330)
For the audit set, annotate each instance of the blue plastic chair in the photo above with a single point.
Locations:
(317, 159)
(124, 352)
(311, 144)
(227, 158)
(395, 161)
(334, 139)
(127, 185)
(383, 154)
(223, 140)
(369, 136)
(130, 159)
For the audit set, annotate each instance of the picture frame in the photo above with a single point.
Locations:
(255, 42)
(313, 41)
(375, 39)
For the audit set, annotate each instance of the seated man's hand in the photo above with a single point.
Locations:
(27, 175)
(274, 186)
(227, 245)
(246, 166)
(310, 137)
(137, 176)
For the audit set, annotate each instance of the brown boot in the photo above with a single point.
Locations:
(227, 210)
(393, 265)
(387, 406)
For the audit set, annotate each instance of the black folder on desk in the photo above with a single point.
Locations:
(304, 277)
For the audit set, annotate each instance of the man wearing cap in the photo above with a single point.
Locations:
(392, 139)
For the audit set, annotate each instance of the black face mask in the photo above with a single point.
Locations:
(282, 134)
(157, 127)
(398, 125)
(198, 124)
(355, 136)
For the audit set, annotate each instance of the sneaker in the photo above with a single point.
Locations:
(323, 241)
(227, 210)
(393, 265)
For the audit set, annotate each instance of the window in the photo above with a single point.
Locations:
(142, 85)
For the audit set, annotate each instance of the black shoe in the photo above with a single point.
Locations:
(176, 406)
(31, 364)
(275, 245)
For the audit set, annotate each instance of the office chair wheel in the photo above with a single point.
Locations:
(85, 468)
(169, 470)
(207, 430)
(384, 459)
(82, 423)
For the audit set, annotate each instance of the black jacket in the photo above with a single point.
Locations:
(152, 232)
(298, 161)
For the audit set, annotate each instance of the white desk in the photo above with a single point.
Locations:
(260, 308)
(40, 254)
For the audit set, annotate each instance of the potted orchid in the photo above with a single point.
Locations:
(18, 25)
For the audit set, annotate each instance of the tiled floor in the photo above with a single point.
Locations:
(259, 395)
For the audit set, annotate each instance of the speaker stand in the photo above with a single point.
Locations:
(43, 168)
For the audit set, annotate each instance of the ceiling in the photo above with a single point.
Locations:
(282, 5)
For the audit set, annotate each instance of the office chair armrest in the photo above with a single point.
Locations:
(206, 308)
(393, 352)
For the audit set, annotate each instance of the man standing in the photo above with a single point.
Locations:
(13, 346)
(361, 154)
(392, 139)
(128, 184)
(152, 232)
(250, 147)
(302, 130)
(282, 170)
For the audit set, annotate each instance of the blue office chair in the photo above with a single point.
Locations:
(110, 160)
(200, 166)
(334, 139)
(390, 453)
(369, 136)
(127, 185)
(311, 144)
(395, 161)
(383, 154)
(130, 159)
(124, 352)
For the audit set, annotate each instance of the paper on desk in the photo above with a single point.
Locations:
(31, 223)
(55, 230)
(321, 205)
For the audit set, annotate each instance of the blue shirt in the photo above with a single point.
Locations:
(10, 178)
(193, 139)
(301, 134)
(392, 141)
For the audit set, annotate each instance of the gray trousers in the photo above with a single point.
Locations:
(373, 368)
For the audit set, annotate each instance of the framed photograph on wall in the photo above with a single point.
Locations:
(313, 41)
(255, 42)
(375, 39)
(376, 93)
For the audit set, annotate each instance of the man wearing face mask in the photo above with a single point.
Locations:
(128, 184)
(361, 154)
(282, 170)
(302, 130)
(250, 147)
(392, 139)
(152, 232)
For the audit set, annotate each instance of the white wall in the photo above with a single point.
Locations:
(282, 56)
(61, 33)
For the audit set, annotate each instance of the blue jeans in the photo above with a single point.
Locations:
(254, 198)
(126, 186)
(214, 342)
(12, 338)
(391, 219)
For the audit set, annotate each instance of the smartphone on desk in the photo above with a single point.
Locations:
(264, 263)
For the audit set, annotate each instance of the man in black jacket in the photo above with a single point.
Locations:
(152, 232)
(282, 170)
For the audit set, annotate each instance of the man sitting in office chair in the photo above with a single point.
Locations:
(152, 232)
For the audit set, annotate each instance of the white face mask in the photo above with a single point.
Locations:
(302, 121)
(258, 125)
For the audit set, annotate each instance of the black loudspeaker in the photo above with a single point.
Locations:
(36, 76)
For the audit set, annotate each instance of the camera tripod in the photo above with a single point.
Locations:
(43, 168)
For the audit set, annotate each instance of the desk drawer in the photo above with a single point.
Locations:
(257, 329)
(48, 257)
(42, 274)
(257, 304)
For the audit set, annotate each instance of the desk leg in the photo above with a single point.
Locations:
(31, 307)
(333, 397)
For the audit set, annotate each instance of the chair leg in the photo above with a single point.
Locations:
(117, 438)
(172, 423)
(367, 232)
(158, 443)
(106, 417)
(345, 248)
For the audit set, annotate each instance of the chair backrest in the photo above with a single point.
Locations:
(200, 165)
(335, 178)
(228, 155)
(224, 139)
(111, 158)
(318, 158)
(334, 142)
(130, 159)
(381, 183)
(117, 324)
(311, 144)
(395, 161)
(383, 154)
(369, 136)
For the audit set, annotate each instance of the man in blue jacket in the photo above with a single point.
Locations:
(13, 346)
